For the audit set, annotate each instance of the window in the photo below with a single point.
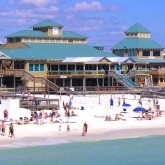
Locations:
(146, 53)
(36, 67)
(41, 67)
(31, 67)
(161, 79)
(156, 53)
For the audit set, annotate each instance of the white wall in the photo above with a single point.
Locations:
(14, 111)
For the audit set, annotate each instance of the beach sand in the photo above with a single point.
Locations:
(94, 115)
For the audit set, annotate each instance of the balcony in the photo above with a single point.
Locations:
(76, 73)
(160, 72)
(16, 72)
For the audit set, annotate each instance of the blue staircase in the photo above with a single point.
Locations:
(122, 79)
(128, 81)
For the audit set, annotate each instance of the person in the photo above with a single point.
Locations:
(111, 102)
(118, 101)
(156, 102)
(70, 103)
(59, 127)
(85, 128)
(11, 130)
(68, 128)
(5, 113)
(3, 127)
(123, 100)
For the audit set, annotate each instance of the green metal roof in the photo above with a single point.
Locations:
(47, 23)
(142, 60)
(136, 43)
(27, 33)
(137, 28)
(54, 51)
(36, 33)
(69, 34)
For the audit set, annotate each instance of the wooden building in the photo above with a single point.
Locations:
(48, 57)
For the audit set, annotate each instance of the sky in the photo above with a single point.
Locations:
(100, 20)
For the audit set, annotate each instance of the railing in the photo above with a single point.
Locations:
(43, 80)
(157, 72)
(16, 72)
(76, 72)
(28, 76)
(126, 81)
(106, 89)
(49, 84)
(117, 77)
(133, 73)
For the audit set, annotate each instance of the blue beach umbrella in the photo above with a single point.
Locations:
(126, 105)
(139, 109)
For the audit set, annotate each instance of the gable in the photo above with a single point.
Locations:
(3, 56)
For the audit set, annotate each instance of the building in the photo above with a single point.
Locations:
(48, 57)
(145, 52)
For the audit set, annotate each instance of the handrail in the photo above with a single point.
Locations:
(76, 72)
(48, 83)
(12, 71)
(137, 71)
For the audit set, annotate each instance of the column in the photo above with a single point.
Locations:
(84, 68)
(63, 82)
(103, 82)
(97, 81)
(97, 68)
(71, 82)
(84, 85)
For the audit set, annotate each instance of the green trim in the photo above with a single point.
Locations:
(36, 67)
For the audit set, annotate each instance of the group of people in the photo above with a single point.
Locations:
(3, 130)
(119, 101)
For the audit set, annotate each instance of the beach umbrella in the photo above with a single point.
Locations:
(126, 105)
(139, 109)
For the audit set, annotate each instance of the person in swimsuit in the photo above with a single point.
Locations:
(11, 130)
(3, 129)
(85, 128)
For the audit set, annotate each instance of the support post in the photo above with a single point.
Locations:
(99, 92)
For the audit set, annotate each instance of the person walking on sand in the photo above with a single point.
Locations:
(11, 130)
(111, 102)
(3, 127)
(68, 128)
(85, 129)
(123, 100)
(59, 128)
(119, 102)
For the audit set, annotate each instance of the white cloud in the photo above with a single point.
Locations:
(94, 6)
(84, 6)
(36, 2)
(28, 13)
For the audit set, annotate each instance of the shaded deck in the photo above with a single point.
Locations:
(37, 103)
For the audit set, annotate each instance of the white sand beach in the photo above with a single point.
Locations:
(96, 108)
